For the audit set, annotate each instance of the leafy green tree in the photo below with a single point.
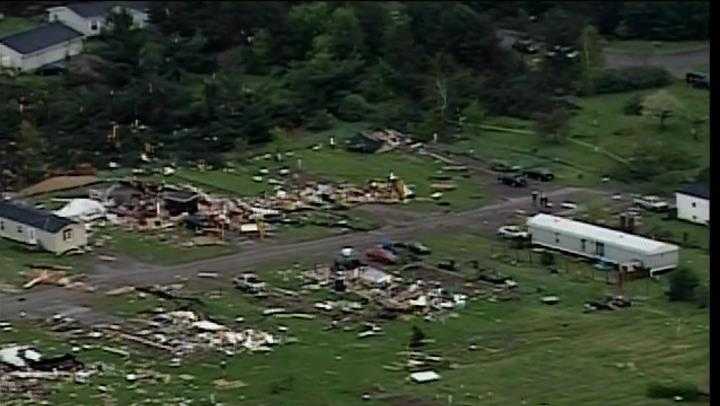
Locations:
(682, 285)
(345, 33)
(661, 105)
(305, 22)
(553, 126)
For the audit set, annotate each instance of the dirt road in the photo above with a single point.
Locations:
(43, 302)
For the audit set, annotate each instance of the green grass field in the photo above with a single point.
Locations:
(597, 130)
(14, 258)
(525, 350)
(13, 25)
(149, 247)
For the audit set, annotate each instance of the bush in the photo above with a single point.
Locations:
(683, 283)
(687, 391)
(547, 259)
(353, 108)
(633, 107)
(416, 340)
(632, 78)
(320, 121)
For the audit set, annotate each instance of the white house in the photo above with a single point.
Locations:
(693, 203)
(41, 228)
(90, 17)
(601, 243)
(40, 46)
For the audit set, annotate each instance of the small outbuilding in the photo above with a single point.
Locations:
(181, 201)
(40, 228)
(693, 203)
(601, 243)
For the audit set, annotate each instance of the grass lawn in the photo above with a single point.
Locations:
(14, 258)
(149, 247)
(12, 25)
(653, 47)
(600, 124)
(525, 350)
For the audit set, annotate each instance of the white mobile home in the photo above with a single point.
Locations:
(693, 203)
(90, 17)
(40, 46)
(596, 242)
(44, 229)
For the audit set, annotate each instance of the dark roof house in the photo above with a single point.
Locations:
(40, 38)
(42, 220)
(696, 189)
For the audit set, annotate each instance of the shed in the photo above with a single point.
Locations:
(41, 228)
(693, 203)
(181, 201)
(601, 243)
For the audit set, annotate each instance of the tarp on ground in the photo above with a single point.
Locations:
(82, 209)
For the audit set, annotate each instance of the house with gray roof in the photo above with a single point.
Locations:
(90, 17)
(40, 46)
(40, 228)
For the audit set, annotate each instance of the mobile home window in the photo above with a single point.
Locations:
(94, 25)
(2, 225)
(694, 204)
(557, 238)
(19, 229)
(582, 244)
(67, 235)
(600, 249)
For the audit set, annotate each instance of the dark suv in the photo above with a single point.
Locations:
(541, 174)
(513, 179)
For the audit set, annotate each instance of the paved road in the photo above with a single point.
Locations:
(43, 302)
(677, 63)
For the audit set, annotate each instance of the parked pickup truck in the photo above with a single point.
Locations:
(541, 174)
(651, 202)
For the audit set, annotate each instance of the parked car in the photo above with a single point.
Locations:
(418, 248)
(541, 174)
(652, 203)
(512, 232)
(513, 179)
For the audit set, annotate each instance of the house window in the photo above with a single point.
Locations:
(67, 235)
(582, 245)
(600, 249)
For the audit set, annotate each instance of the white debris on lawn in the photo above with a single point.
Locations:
(424, 376)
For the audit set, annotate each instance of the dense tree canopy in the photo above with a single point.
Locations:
(209, 77)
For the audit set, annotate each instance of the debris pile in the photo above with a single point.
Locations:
(182, 332)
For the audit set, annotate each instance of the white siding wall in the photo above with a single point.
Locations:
(72, 20)
(692, 208)
(56, 242)
(14, 231)
(53, 54)
(613, 252)
(9, 58)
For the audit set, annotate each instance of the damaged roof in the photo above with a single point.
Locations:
(40, 219)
